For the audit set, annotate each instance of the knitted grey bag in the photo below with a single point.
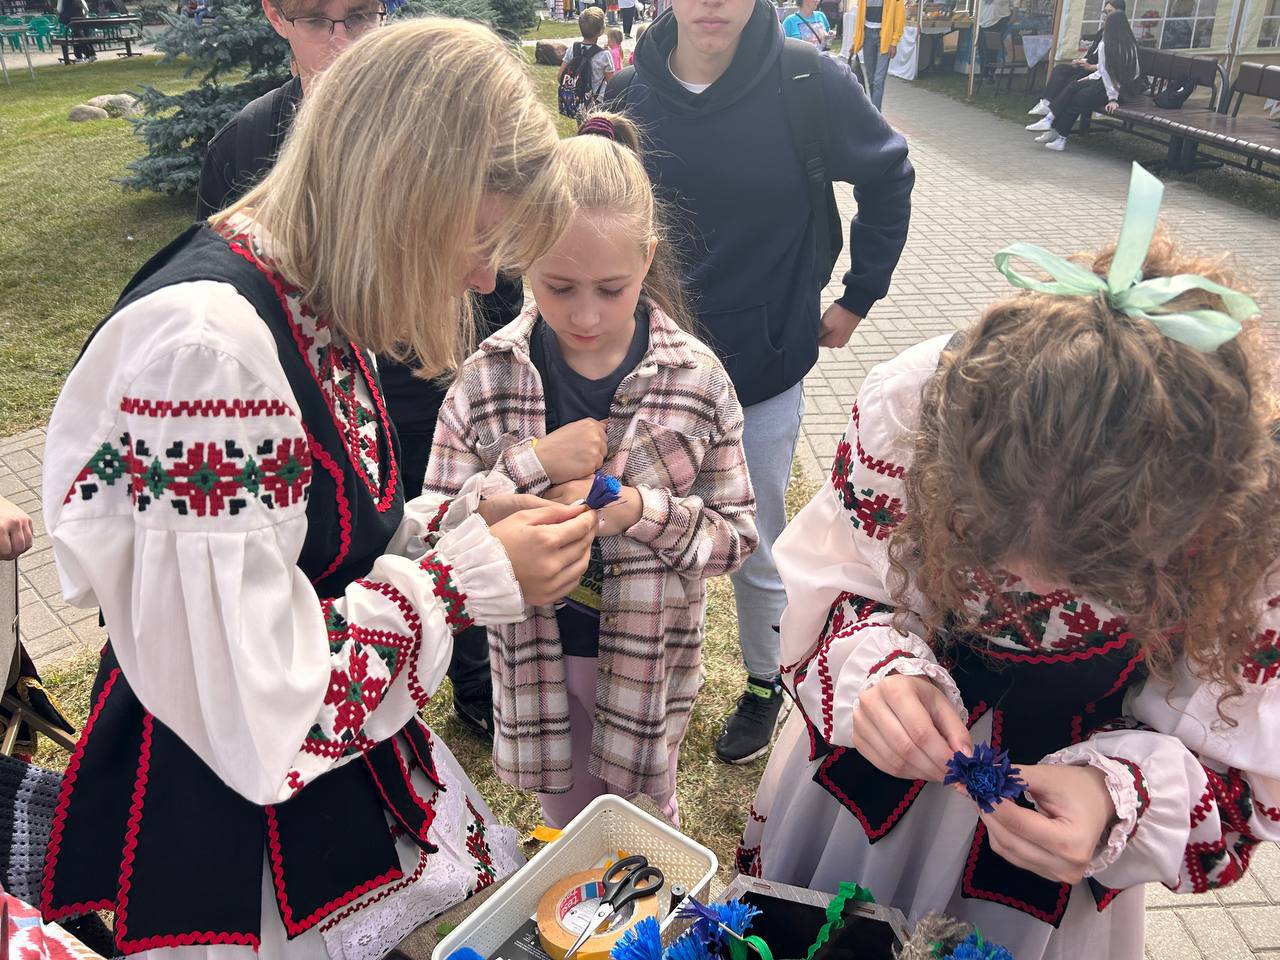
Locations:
(28, 795)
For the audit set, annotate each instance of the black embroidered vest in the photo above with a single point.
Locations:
(143, 827)
(1040, 701)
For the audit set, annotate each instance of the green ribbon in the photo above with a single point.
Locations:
(1124, 288)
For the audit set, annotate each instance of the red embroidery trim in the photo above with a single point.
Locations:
(751, 812)
(883, 467)
(205, 408)
(388, 495)
(876, 832)
(131, 833)
(434, 525)
(451, 598)
(60, 817)
(382, 894)
(429, 765)
(428, 809)
(895, 655)
(1139, 787)
(295, 927)
(1064, 889)
(323, 457)
(1107, 897)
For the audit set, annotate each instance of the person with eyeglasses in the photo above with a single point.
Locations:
(240, 155)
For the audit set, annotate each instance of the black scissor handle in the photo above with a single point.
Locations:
(631, 878)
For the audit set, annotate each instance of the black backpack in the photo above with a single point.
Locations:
(577, 95)
(805, 104)
(1175, 94)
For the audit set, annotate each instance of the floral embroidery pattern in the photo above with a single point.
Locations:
(364, 664)
(1263, 663)
(478, 847)
(875, 514)
(204, 478)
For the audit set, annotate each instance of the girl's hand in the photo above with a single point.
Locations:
(499, 508)
(15, 531)
(1112, 106)
(908, 728)
(574, 451)
(549, 549)
(618, 517)
(1058, 840)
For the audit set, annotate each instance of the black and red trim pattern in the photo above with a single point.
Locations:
(1139, 788)
(478, 847)
(1221, 860)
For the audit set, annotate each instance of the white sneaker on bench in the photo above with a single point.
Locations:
(1044, 123)
(1041, 109)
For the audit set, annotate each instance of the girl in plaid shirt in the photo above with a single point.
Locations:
(593, 695)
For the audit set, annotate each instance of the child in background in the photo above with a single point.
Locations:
(601, 373)
(615, 48)
(1055, 531)
(639, 31)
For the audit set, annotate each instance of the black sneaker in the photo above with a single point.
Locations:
(476, 716)
(749, 728)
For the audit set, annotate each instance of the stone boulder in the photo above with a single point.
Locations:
(117, 104)
(549, 52)
(85, 112)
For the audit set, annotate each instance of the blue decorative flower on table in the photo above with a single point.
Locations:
(973, 947)
(986, 775)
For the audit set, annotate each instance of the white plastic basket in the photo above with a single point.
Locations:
(607, 825)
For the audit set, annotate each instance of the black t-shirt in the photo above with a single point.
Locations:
(241, 154)
(571, 397)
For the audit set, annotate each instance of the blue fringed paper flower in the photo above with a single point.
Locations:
(641, 942)
(986, 775)
(973, 947)
(604, 491)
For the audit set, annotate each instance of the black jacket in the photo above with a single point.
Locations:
(241, 154)
(725, 160)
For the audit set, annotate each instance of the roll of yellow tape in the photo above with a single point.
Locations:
(567, 908)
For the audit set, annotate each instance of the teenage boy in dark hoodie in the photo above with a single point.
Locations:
(707, 91)
(240, 155)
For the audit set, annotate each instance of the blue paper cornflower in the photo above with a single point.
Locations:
(708, 918)
(641, 942)
(604, 491)
(973, 947)
(986, 775)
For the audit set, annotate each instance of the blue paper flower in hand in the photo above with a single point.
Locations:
(986, 775)
(973, 947)
(604, 491)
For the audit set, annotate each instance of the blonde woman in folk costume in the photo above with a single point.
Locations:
(221, 479)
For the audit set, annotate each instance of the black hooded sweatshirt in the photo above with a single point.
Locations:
(725, 163)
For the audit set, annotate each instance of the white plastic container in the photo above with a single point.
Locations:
(607, 825)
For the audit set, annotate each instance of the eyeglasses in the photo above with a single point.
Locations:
(321, 28)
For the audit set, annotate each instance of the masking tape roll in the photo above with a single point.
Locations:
(565, 910)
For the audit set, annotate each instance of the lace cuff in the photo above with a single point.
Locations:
(909, 665)
(1128, 790)
(482, 573)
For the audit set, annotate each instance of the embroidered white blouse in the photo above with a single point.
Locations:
(191, 552)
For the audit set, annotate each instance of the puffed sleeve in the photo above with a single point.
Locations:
(837, 634)
(1195, 790)
(176, 500)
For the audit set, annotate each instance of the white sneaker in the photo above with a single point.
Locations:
(1058, 144)
(1047, 136)
(1041, 109)
(1041, 125)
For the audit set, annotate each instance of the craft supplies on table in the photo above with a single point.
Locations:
(609, 829)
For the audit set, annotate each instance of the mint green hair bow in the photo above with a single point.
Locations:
(1124, 288)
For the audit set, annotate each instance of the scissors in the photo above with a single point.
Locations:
(631, 878)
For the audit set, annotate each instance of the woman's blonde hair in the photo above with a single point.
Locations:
(374, 205)
(1089, 447)
(606, 177)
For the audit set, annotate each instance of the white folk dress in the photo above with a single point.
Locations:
(1194, 796)
(219, 633)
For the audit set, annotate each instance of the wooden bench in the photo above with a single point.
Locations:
(101, 33)
(1255, 141)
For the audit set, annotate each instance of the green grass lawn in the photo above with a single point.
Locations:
(1246, 189)
(553, 30)
(69, 236)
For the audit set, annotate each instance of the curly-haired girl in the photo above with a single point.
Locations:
(1056, 532)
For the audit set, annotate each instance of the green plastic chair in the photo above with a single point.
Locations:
(15, 39)
(40, 29)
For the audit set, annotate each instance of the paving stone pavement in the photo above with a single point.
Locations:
(981, 184)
